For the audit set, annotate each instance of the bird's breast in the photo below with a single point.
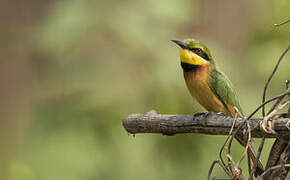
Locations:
(198, 84)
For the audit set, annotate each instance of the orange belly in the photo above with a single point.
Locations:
(199, 87)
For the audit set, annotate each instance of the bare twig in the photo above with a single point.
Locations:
(287, 92)
(221, 165)
(277, 149)
(224, 145)
(258, 156)
(268, 123)
(255, 111)
(282, 23)
(231, 160)
(272, 168)
(228, 168)
(270, 77)
(249, 138)
(264, 98)
(279, 155)
(229, 149)
(276, 104)
(287, 83)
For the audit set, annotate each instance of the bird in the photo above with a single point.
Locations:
(210, 86)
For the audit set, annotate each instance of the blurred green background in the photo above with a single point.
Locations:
(72, 70)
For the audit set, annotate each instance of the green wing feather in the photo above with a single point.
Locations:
(222, 87)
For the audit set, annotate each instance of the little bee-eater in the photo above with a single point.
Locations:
(209, 86)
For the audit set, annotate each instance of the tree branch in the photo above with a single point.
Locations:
(202, 123)
(279, 155)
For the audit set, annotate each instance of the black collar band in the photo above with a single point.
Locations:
(189, 67)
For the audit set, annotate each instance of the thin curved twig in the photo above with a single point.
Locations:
(249, 138)
(229, 149)
(212, 167)
(263, 106)
(257, 157)
(270, 78)
(231, 135)
(262, 143)
(282, 23)
(272, 168)
(287, 92)
(268, 128)
(228, 168)
(255, 111)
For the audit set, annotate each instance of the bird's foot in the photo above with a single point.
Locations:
(199, 114)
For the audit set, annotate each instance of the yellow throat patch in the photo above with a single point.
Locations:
(190, 57)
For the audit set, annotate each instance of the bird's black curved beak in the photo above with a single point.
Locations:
(181, 44)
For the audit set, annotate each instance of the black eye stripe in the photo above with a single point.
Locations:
(200, 52)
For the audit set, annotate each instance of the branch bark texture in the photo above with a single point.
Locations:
(202, 123)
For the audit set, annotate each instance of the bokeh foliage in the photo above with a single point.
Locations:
(72, 70)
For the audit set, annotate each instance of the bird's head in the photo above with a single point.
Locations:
(194, 53)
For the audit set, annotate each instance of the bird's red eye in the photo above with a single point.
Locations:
(198, 50)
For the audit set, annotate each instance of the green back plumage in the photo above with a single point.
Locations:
(222, 87)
